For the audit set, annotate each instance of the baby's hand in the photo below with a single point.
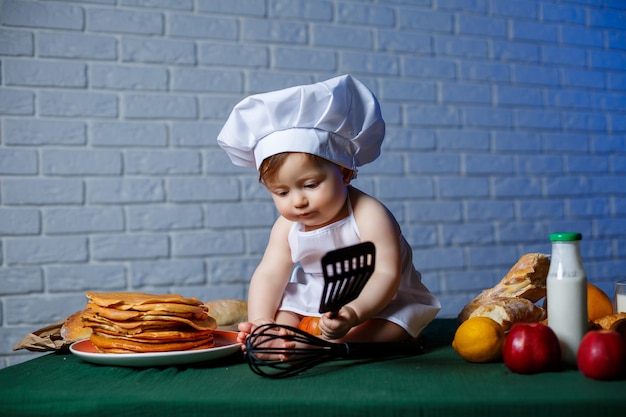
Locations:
(337, 325)
(247, 327)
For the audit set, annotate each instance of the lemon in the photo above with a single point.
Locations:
(479, 339)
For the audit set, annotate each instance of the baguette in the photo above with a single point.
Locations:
(508, 311)
(525, 280)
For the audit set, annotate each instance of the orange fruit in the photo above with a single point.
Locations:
(598, 303)
(310, 325)
(479, 339)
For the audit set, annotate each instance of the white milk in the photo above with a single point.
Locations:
(567, 294)
(567, 313)
(620, 303)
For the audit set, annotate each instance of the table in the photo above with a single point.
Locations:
(435, 383)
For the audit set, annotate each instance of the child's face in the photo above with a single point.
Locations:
(310, 193)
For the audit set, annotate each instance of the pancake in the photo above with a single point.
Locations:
(139, 322)
(154, 309)
(126, 300)
(108, 344)
(160, 336)
(90, 319)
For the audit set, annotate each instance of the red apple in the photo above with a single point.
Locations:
(530, 348)
(602, 354)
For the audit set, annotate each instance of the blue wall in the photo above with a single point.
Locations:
(506, 121)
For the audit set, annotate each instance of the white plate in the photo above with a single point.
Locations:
(225, 345)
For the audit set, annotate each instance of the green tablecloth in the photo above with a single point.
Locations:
(436, 383)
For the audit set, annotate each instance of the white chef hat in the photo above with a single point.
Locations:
(338, 119)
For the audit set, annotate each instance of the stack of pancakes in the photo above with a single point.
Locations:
(130, 322)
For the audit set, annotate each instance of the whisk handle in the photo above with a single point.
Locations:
(367, 350)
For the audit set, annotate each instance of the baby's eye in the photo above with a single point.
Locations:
(310, 185)
(281, 193)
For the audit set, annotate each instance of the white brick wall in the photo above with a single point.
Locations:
(506, 121)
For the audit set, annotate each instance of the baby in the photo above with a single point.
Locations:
(307, 142)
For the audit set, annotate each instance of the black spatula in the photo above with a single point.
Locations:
(346, 271)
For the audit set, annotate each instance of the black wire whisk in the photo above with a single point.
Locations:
(267, 356)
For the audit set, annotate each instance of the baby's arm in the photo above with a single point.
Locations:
(269, 280)
(376, 224)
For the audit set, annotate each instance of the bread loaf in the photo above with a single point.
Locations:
(73, 328)
(525, 280)
(609, 321)
(228, 313)
(508, 311)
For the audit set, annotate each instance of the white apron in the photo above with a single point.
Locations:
(413, 306)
